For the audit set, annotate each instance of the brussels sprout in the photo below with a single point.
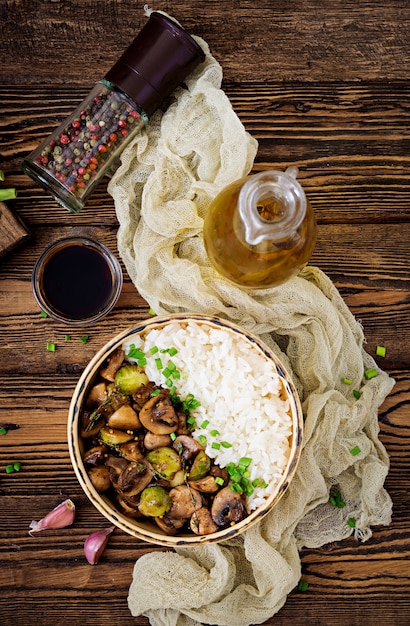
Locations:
(154, 502)
(165, 462)
(114, 437)
(130, 377)
(200, 466)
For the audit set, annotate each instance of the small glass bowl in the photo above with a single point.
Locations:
(77, 281)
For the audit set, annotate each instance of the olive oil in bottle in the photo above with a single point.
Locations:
(260, 230)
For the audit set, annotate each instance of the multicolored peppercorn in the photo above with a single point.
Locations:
(76, 154)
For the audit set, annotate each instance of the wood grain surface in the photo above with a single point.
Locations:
(323, 85)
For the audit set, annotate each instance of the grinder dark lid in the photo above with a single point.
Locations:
(156, 62)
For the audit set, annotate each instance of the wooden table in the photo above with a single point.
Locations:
(323, 85)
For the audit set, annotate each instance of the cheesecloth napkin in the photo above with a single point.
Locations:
(167, 178)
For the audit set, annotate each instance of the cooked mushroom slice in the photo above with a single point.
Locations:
(165, 462)
(129, 510)
(155, 502)
(116, 467)
(184, 502)
(200, 466)
(100, 477)
(205, 485)
(183, 428)
(114, 363)
(134, 478)
(114, 437)
(143, 394)
(90, 424)
(152, 441)
(131, 451)
(201, 522)
(95, 456)
(168, 525)
(227, 507)
(97, 395)
(158, 415)
(220, 472)
(124, 418)
(186, 446)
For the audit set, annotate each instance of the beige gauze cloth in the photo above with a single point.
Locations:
(162, 189)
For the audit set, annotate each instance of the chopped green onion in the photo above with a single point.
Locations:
(303, 585)
(191, 420)
(245, 461)
(172, 391)
(336, 500)
(172, 351)
(84, 339)
(169, 382)
(351, 522)
(166, 372)
(173, 436)
(171, 365)
(3, 431)
(9, 469)
(347, 381)
(153, 350)
(356, 393)
(219, 481)
(204, 423)
(51, 347)
(43, 314)
(215, 445)
(8, 194)
(248, 489)
(226, 444)
(151, 311)
(202, 440)
(214, 432)
(67, 337)
(370, 373)
(381, 351)
(158, 363)
(236, 487)
(17, 466)
(355, 451)
(155, 392)
(1, 175)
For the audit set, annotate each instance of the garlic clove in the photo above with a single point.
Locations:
(95, 544)
(61, 516)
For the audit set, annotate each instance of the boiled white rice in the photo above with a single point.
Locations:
(239, 390)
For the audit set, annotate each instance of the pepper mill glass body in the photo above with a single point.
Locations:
(260, 230)
(71, 162)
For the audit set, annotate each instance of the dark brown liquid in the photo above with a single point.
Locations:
(77, 281)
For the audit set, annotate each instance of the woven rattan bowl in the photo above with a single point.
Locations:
(141, 527)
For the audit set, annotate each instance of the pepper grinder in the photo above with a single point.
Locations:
(76, 156)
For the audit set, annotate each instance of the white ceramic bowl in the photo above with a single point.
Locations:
(142, 528)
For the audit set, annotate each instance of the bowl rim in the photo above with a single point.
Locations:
(102, 502)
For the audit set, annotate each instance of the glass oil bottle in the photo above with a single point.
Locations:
(260, 230)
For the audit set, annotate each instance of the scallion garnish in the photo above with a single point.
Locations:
(336, 500)
(215, 445)
(202, 440)
(303, 585)
(356, 393)
(158, 363)
(370, 373)
(204, 423)
(43, 314)
(8, 194)
(153, 350)
(355, 451)
(219, 481)
(3, 431)
(347, 381)
(351, 522)
(214, 432)
(67, 337)
(84, 339)
(381, 351)
(51, 347)
(173, 436)
(226, 444)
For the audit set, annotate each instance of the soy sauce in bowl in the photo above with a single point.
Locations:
(77, 280)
